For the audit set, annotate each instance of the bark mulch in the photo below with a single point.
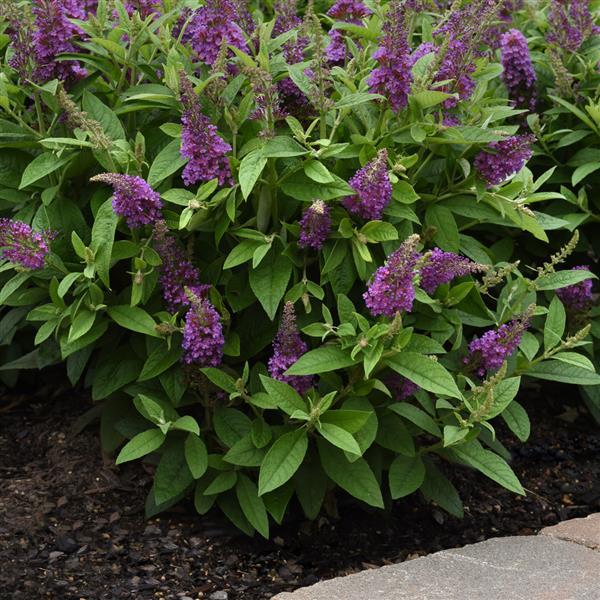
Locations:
(72, 525)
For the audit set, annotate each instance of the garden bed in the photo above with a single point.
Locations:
(72, 525)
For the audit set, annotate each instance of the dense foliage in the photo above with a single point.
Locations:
(290, 249)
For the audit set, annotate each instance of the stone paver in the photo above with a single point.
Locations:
(579, 531)
(513, 568)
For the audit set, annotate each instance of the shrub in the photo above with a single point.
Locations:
(278, 248)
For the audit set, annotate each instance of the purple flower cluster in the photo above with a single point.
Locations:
(346, 11)
(212, 25)
(200, 142)
(570, 23)
(373, 189)
(176, 272)
(288, 347)
(391, 289)
(315, 225)
(393, 77)
(144, 7)
(52, 36)
(577, 297)
(519, 75)
(202, 334)
(504, 158)
(133, 199)
(400, 387)
(488, 352)
(442, 267)
(21, 245)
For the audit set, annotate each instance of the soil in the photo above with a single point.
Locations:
(72, 525)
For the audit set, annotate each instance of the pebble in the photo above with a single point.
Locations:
(220, 595)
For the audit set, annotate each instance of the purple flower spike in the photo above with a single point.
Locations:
(577, 297)
(442, 267)
(288, 347)
(570, 23)
(488, 352)
(373, 189)
(133, 199)
(21, 245)
(393, 77)
(519, 75)
(202, 334)
(391, 290)
(509, 157)
(201, 143)
(315, 225)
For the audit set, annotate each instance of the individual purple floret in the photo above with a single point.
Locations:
(373, 189)
(442, 267)
(21, 245)
(288, 347)
(400, 387)
(200, 142)
(52, 36)
(577, 297)
(212, 25)
(176, 272)
(393, 77)
(519, 75)
(504, 158)
(315, 225)
(391, 290)
(202, 334)
(570, 23)
(488, 352)
(133, 199)
(336, 49)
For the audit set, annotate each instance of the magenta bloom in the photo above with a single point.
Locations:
(288, 347)
(506, 158)
(570, 23)
(442, 267)
(488, 352)
(392, 290)
(393, 77)
(315, 225)
(519, 75)
(52, 36)
(133, 199)
(21, 245)
(577, 297)
(400, 387)
(202, 334)
(201, 143)
(373, 189)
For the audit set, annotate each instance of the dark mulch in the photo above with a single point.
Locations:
(72, 525)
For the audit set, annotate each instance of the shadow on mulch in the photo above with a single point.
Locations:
(72, 525)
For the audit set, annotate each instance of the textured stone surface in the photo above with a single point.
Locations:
(580, 531)
(513, 568)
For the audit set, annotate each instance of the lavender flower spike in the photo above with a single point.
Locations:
(202, 334)
(509, 157)
(570, 23)
(315, 225)
(21, 245)
(200, 142)
(373, 189)
(392, 290)
(288, 347)
(577, 297)
(133, 199)
(442, 267)
(519, 75)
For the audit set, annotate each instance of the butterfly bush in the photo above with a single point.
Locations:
(310, 244)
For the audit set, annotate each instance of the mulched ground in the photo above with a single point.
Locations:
(72, 525)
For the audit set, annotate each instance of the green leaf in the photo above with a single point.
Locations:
(12, 285)
(556, 370)
(231, 425)
(379, 231)
(445, 229)
(350, 420)
(561, 279)
(252, 505)
(167, 162)
(251, 167)
(284, 395)
(555, 324)
(580, 173)
(111, 375)
(186, 423)
(221, 483)
(339, 437)
(244, 453)
(98, 111)
(243, 252)
(300, 187)
(41, 166)
(436, 488)
(393, 435)
(574, 358)
(196, 455)
(355, 477)
(425, 372)
(310, 485)
(406, 475)
(133, 318)
(517, 420)
(220, 379)
(317, 171)
(282, 460)
(103, 235)
(417, 416)
(504, 394)
(276, 502)
(142, 444)
(269, 281)
(488, 463)
(159, 361)
(321, 360)
(172, 475)
(429, 98)
(356, 99)
(282, 146)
